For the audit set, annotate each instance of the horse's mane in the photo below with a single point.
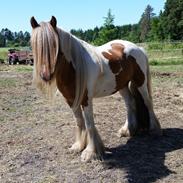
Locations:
(75, 52)
(47, 44)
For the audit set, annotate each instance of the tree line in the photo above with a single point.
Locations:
(14, 39)
(167, 26)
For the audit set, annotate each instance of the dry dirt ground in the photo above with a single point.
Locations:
(35, 136)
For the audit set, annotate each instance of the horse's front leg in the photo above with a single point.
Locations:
(81, 135)
(95, 147)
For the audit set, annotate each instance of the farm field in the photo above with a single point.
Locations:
(35, 135)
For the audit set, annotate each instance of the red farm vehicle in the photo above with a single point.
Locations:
(20, 57)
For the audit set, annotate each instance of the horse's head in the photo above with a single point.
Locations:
(45, 46)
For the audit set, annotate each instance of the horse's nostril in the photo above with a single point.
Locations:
(45, 77)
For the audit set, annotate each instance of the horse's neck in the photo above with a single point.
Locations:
(69, 44)
(64, 69)
(73, 47)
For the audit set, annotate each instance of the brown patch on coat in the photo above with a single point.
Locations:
(125, 68)
(65, 78)
(116, 53)
(130, 71)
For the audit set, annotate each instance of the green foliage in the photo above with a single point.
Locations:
(171, 20)
(106, 34)
(14, 39)
(3, 54)
(109, 20)
(168, 25)
(145, 23)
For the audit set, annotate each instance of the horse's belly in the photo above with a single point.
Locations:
(105, 85)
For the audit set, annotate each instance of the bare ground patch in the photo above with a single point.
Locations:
(35, 137)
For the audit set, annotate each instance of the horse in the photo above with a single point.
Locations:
(81, 72)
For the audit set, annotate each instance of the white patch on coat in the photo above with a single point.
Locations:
(101, 80)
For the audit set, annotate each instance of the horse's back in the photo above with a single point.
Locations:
(129, 47)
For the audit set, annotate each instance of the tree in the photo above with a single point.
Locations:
(108, 32)
(171, 20)
(168, 25)
(2, 44)
(2, 38)
(156, 32)
(109, 20)
(134, 33)
(145, 23)
(27, 36)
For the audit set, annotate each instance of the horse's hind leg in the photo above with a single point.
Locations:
(155, 127)
(95, 147)
(81, 135)
(130, 126)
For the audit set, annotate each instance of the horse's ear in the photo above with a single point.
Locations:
(53, 22)
(34, 23)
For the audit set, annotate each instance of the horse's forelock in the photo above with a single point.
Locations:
(45, 46)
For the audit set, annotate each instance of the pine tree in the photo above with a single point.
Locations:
(171, 20)
(109, 20)
(145, 23)
(108, 32)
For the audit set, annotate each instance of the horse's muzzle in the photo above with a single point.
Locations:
(46, 77)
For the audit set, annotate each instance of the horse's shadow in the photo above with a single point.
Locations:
(143, 156)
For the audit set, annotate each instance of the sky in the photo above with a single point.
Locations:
(73, 14)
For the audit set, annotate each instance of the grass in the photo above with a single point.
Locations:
(164, 53)
(162, 45)
(3, 54)
(168, 61)
(7, 82)
(24, 68)
(16, 68)
(167, 68)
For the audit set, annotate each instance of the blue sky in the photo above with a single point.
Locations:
(85, 14)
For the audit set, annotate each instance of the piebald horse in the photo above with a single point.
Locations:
(82, 72)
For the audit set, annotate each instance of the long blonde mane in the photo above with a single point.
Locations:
(46, 44)
(75, 52)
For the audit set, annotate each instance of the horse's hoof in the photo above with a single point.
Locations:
(123, 133)
(76, 147)
(88, 155)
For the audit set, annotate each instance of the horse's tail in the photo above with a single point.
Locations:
(141, 110)
(149, 82)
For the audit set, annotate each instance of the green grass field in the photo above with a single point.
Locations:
(164, 53)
